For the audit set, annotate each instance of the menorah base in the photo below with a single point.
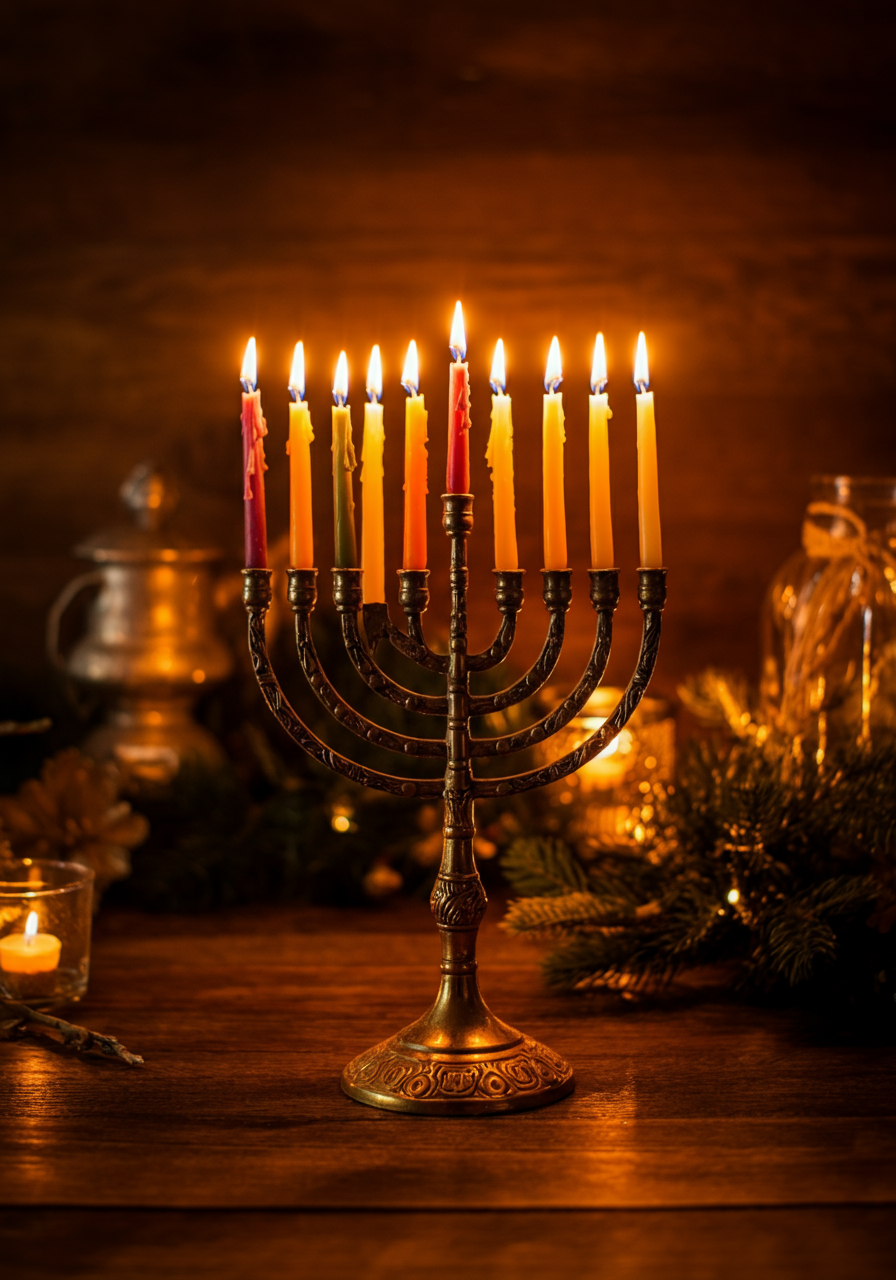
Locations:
(422, 1082)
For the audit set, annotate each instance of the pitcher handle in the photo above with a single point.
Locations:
(66, 597)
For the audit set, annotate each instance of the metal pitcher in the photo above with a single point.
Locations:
(151, 645)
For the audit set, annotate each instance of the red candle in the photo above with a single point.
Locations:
(254, 465)
(458, 480)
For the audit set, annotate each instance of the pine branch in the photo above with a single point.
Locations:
(543, 867)
(546, 915)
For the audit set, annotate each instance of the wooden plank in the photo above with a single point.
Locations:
(826, 1244)
(246, 1020)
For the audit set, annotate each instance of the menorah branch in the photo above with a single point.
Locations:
(257, 599)
(302, 595)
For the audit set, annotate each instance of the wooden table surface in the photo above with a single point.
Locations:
(703, 1139)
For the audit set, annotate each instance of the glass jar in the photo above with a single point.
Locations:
(829, 621)
(46, 910)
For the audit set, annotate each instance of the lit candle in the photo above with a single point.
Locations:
(254, 466)
(373, 556)
(458, 479)
(599, 461)
(30, 952)
(415, 465)
(554, 437)
(298, 446)
(499, 456)
(648, 490)
(344, 463)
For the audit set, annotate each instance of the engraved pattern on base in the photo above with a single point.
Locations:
(518, 1077)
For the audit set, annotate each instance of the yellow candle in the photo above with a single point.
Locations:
(553, 439)
(373, 555)
(499, 456)
(298, 446)
(648, 488)
(344, 464)
(415, 465)
(599, 462)
(30, 952)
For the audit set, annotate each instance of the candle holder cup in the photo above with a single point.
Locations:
(458, 1058)
(46, 912)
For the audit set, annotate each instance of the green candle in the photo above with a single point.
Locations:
(343, 465)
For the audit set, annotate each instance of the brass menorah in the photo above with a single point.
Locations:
(458, 1059)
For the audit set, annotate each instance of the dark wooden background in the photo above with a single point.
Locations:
(178, 174)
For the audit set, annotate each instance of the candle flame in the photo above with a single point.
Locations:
(340, 381)
(297, 373)
(249, 371)
(458, 340)
(498, 375)
(553, 374)
(410, 374)
(375, 374)
(599, 365)
(642, 377)
(31, 925)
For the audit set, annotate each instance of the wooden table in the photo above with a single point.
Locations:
(703, 1139)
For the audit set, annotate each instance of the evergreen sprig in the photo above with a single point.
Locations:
(777, 864)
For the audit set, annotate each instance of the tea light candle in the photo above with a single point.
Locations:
(30, 952)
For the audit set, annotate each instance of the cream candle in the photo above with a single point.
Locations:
(499, 456)
(373, 556)
(599, 414)
(648, 486)
(553, 440)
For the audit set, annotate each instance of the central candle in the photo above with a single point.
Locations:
(458, 478)
(344, 463)
(553, 439)
(499, 456)
(373, 556)
(415, 465)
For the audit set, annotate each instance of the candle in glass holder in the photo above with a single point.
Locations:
(30, 952)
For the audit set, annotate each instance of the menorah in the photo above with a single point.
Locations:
(458, 1059)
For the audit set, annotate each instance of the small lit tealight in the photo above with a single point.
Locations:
(30, 952)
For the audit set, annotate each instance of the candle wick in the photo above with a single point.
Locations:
(599, 387)
(642, 387)
(372, 396)
(496, 387)
(247, 386)
(553, 386)
(296, 397)
(410, 389)
(339, 399)
(458, 354)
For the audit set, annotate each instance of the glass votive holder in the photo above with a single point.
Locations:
(46, 911)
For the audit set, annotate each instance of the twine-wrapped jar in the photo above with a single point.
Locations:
(829, 620)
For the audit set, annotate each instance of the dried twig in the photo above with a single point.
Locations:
(22, 1020)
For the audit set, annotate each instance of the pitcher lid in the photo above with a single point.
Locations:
(152, 497)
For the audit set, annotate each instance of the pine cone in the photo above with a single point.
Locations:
(73, 813)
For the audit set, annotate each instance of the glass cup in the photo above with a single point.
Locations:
(46, 911)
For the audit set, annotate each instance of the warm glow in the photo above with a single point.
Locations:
(339, 822)
(733, 896)
(249, 371)
(297, 372)
(498, 376)
(31, 924)
(458, 340)
(592, 724)
(340, 381)
(375, 374)
(642, 377)
(410, 374)
(599, 365)
(553, 374)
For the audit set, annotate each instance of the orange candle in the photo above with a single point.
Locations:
(599, 461)
(553, 439)
(415, 465)
(298, 446)
(499, 456)
(648, 486)
(373, 558)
